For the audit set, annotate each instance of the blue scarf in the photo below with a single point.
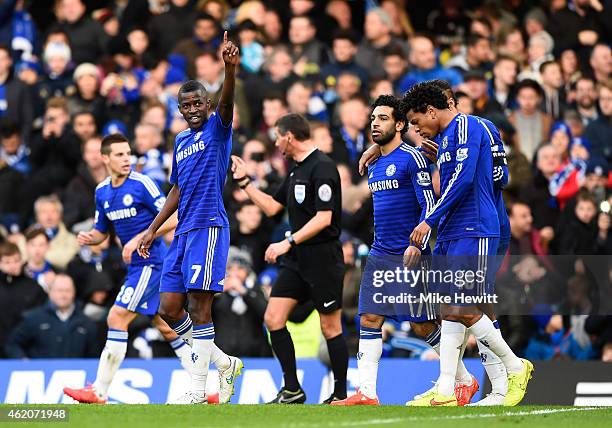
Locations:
(354, 147)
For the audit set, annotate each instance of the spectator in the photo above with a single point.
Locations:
(37, 267)
(84, 125)
(148, 157)
(259, 167)
(341, 12)
(476, 87)
(344, 48)
(301, 99)
(539, 51)
(241, 309)
(180, 17)
(273, 27)
(503, 85)
(251, 234)
(510, 43)
(601, 63)
(307, 53)
(378, 36)
(477, 56)
(395, 65)
(86, 36)
(579, 231)
(569, 67)
(79, 203)
(55, 154)
(598, 132)
(206, 38)
(18, 292)
(63, 245)
(251, 51)
(15, 98)
(541, 202)
(274, 106)
(525, 239)
(140, 44)
(596, 178)
(586, 100)
(58, 329)
(87, 97)
(278, 75)
(576, 26)
(57, 79)
(14, 165)
(423, 58)
(450, 23)
(321, 137)
(13, 153)
(532, 125)
(351, 138)
(554, 100)
(380, 87)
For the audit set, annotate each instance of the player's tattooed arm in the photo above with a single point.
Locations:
(169, 208)
(231, 58)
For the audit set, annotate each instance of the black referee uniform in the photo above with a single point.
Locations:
(314, 269)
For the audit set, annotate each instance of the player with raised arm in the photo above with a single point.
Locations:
(129, 201)
(468, 227)
(194, 269)
(402, 193)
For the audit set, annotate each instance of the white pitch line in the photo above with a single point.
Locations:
(467, 416)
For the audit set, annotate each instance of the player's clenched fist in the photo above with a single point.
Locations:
(230, 51)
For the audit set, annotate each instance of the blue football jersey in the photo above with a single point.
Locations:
(466, 208)
(130, 208)
(199, 168)
(402, 194)
(500, 176)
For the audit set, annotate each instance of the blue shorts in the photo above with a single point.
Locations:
(196, 260)
(468, 266)
(140, 292)
(400, 296)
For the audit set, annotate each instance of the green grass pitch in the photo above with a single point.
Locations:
(287, 416)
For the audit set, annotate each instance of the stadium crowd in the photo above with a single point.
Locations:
(72, 71)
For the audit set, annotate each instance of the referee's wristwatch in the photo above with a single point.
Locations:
(291, 240)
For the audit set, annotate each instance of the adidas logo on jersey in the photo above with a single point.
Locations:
(144, 306)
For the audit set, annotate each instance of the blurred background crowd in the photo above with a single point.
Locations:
(72, 71)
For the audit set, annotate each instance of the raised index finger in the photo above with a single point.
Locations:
(225, 37)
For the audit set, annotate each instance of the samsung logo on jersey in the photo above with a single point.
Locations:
(194, 148)
(121, 214)
(383, 185)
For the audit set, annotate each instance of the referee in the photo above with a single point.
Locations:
(314, 265)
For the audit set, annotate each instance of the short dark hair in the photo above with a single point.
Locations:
(275, 96)
(399, 114)
(191, 86)
(474, 38)
(529, 83)
(546, 64)
(5, 47)
(342, 34)
(394, 49)
(586, 196)
(8, 128)
(111, 139)
(422, 95)
(294, 123)
(446, 88)
(83, 113)
(203, 16)
(8, 249)
(34, 231)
